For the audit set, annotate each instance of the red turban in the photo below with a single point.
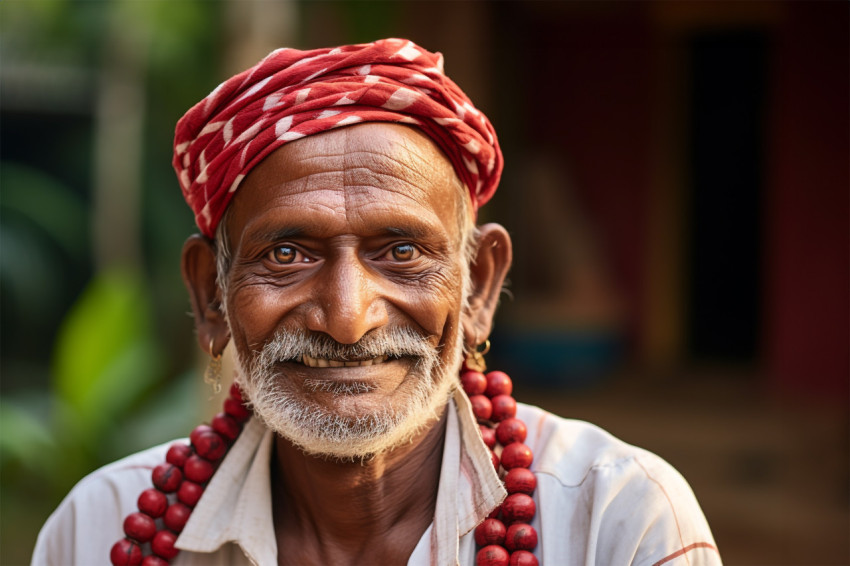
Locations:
(291, 94)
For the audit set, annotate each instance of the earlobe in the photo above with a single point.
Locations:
(198, 267)
(487, 274)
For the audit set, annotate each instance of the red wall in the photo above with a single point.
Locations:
(807, 281)
(595, 86)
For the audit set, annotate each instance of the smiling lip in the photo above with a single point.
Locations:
(326, 363)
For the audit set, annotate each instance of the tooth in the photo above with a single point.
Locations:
(351, 364)
(367, 362)
(321, 362)
(336, 364)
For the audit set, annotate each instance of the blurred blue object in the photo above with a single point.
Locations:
(570, 358)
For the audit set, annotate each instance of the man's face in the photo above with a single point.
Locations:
(345, 288)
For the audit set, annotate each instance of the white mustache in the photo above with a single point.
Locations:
(313, 348)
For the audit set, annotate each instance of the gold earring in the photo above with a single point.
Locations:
(212, 375)
(475, 360)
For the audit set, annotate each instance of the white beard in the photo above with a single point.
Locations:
(285, 410)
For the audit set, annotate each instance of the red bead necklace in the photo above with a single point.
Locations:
(505, 537)
(178, 483)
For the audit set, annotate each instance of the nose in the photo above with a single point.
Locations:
(348, 301)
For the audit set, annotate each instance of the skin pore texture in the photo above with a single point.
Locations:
(345, 303)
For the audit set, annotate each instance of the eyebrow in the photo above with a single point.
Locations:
(273, 235)
(412, 232)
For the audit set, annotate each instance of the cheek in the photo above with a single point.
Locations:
(435, 306)
(255, 312)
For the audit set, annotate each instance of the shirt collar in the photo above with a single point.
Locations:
(469, 486)
(236, 505)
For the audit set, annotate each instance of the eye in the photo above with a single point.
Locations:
(284, 254)
(404, 252)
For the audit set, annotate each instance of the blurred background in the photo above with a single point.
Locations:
(676, 185)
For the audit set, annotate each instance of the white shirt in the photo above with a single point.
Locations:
(599, 501)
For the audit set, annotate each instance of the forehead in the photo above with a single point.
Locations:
(364, 177)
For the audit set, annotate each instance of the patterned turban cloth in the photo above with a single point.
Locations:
(292, 94)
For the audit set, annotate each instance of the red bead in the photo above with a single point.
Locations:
(517, 455)
(518, 480)
(167, 477)
(521, 558)
(495, 460)
(488, 435)
(209, 444)
(177, 454)
(199, 430)
(518, 508)
(163, 544)
(152, 502)
(176, 516)
(521, 536)
(498, 383)
(236, 392)
(474, 382)
(125, 553)
(153, 560)
(492, 555)
(226, 426)
(481, 407)
(189, 493)
(236, 409)
(504, 407)
(140, 527)
(510, 430)
(491, 531)
(197, 469)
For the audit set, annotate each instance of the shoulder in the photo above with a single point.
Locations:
(575, 452)
(621, 504)
(89, 520)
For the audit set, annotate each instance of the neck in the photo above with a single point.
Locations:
(336, 510)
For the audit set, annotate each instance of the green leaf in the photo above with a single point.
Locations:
(23, 437)
(106, 356)
(64, 222)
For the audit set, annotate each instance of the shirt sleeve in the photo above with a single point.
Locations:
(601, 501)
(82, 530)
(649, 516)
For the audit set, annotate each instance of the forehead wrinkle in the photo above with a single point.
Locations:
(369, 208)
(356, 184)
(411, 169)
(398, 166)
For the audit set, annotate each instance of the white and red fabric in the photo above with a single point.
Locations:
(292, 94)
(599, 501)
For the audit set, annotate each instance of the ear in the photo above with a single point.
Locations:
(487, 273)
(199, 275)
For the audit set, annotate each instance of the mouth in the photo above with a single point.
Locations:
(330, 363)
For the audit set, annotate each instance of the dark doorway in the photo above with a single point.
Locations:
(728, 74)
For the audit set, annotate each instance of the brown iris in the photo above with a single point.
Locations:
(404, 252)
(284, 254)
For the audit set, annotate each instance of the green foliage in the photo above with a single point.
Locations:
(63, 222)
(31, 443)
(94, 364)
(44, 235)
(108, 398)
(106, 355)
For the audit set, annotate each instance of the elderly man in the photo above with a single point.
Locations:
(336, 192)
